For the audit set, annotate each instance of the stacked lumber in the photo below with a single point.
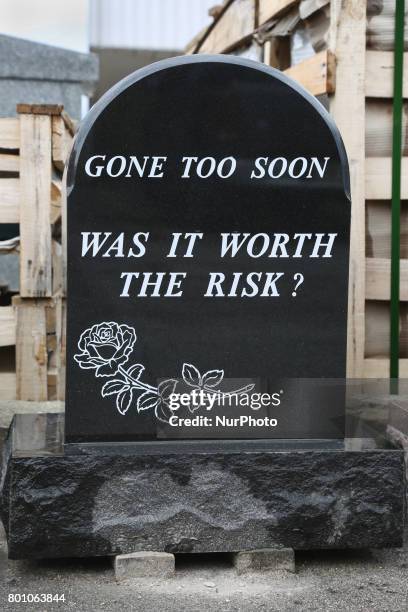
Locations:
(342, 52)
(33, 149)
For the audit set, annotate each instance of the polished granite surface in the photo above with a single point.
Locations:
(43, 434)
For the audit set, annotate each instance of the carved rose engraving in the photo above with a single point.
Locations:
(106, 347)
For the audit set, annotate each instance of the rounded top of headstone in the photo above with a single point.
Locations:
(232, 93)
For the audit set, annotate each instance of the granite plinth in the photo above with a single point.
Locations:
(58, 504)
(35, 73)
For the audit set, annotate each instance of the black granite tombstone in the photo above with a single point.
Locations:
(208, 232)
(208, 226)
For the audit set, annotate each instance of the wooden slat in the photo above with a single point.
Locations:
(7, 326)
(9, 133)
(35, 206)
(380, 73)
(57, 268)
(9, 200)
(316, 74)
(70, 124)
(378, 229)
(378, 280)
(277, 52)
(348, 41)
(378, 178)
(234, 25)
(40, 109)
(61, 142)
(8, 386)
(196, 41)
(379, 128)
(56, 190)
(271, 53)
(380, 368)
(52, 383)
(61, 326)
(268, 9)
(31, 349)
(9, 163)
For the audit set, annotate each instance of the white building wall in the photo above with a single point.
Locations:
(147, 24)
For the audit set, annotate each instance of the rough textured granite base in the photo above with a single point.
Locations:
(92, 504)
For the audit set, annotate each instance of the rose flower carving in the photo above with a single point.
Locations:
(105, 347)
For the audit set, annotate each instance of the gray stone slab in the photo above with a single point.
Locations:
(144, 564)
(8, 408)
(25, 59)
(34, 73)
(14, 91)
(90, 504)
(264, 560)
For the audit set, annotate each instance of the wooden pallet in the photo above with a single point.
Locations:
(352, 80)
(34, 147)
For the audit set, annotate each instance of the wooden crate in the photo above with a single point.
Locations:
(34, 147)
(353, 75)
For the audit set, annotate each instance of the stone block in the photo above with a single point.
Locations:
(264, 560)
(40, 92)
(144, 564)
(8, 408)
(185, 497)
(35, 73)
(30, 60)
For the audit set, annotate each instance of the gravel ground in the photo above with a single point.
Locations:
(341, 580)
